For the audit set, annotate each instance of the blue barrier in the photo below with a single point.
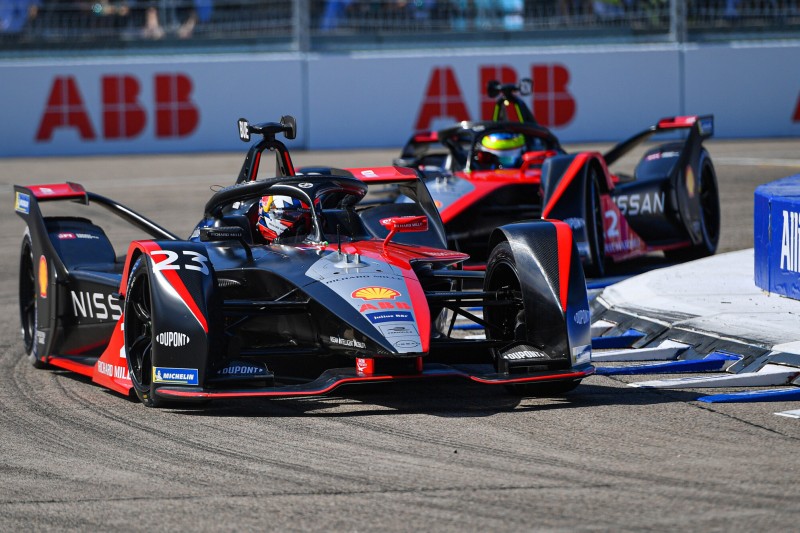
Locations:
(776, 237)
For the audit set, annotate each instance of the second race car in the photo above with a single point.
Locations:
(485, 174)
(294, 285)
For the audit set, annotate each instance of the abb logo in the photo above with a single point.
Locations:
(552, 103)
(124, 116)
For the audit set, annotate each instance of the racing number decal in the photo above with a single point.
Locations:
(612, 227)
(170, 261)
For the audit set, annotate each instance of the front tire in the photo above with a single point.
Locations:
(139, 333)
(502, 273)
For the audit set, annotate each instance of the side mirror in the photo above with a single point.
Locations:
(403, 225)
(244, 130)
(536, 158)
(291, 126)
(226, 233)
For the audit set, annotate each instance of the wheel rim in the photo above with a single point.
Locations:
(509, 319)
(27, 299)
(139, 331)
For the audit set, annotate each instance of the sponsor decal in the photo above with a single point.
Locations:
(242, 369)
(642, 204)
(581, 317)
(575, 223)
(375, 293)
(43, 280)
(66, 236)
(95, 305)
(390, 316)
(172, 339)
(22, 203)
(523, 354)
(113, 371)
(364, 366)
(691, 182)
(383, 305)
(183, 376)
(398, 331)
(305, 185)
(352, 343)
(369, 174)
(790, 241)
(406, 344)
(41, 336)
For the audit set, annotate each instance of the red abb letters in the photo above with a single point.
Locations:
(123, 114)
(442, 99)
(552, 103)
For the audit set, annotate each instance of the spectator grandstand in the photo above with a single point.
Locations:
(74, 25)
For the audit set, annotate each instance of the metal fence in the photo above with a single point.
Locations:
(352, 24)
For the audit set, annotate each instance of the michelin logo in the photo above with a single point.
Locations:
(183, 376)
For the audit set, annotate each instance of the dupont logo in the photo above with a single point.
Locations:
(375, 293)
(172, 339)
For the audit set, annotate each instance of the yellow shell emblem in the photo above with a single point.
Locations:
(375, 293)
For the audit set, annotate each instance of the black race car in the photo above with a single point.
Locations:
(486, 174)
(357, 292)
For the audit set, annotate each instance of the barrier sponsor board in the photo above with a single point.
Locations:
(360, 100)
(776, 232)
(145, 105)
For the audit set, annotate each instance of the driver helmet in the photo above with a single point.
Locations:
(282, 217)
(507, 147)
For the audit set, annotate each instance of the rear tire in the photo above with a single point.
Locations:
(594, 227)
(139, 334)
(708, 197)
(28, 305)
(501, 273)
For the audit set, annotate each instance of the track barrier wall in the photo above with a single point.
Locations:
(776, 235)
(190, 103)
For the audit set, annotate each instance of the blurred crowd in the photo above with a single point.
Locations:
(181, 19)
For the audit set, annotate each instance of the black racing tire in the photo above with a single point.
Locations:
(594, 226)
(502, 273)
(708, 197)
(139, 338)
(28, 305)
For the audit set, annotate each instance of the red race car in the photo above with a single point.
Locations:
(485, 174)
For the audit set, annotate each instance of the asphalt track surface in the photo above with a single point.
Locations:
(445, 456)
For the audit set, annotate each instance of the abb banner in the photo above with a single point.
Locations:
(142, 106)
(192, 103)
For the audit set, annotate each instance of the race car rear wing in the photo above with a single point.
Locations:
(700, 128)
(26, 200)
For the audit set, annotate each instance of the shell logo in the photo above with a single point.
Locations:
(691, 183)
(43, 277)
(375, 293)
